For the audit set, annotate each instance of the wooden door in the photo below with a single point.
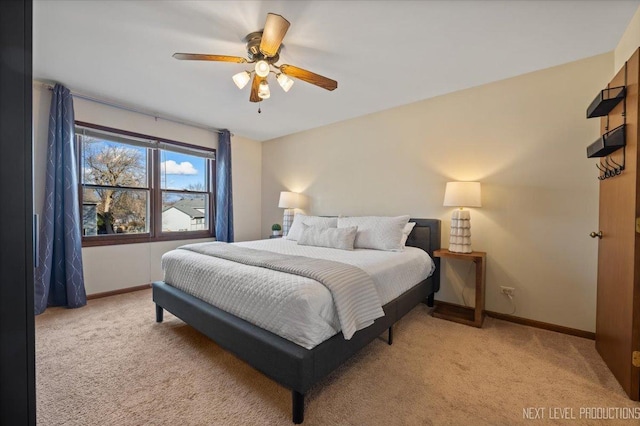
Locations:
(618, 307)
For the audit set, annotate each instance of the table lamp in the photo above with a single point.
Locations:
(289, 201)
(461, 194)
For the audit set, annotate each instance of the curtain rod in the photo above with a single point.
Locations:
(112, 104)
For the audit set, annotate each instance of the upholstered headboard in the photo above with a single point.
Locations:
(426, 236)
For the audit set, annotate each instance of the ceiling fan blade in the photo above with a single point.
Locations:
(309, 77)
(255, 85)
(200, 57)
(274, 30)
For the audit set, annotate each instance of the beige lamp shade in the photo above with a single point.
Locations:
(289, 200)
(462, 194)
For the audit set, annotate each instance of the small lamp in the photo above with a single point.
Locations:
(461, 194)
(289, 201)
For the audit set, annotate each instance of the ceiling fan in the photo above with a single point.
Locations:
(263, 49)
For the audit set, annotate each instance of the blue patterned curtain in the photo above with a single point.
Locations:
(59, 279)
(224, 194)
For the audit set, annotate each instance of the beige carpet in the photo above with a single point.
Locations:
(110, 363)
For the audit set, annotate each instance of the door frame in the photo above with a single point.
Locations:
(17, 333)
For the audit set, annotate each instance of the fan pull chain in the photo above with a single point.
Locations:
(259, 110)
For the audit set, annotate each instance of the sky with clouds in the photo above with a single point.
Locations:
(170, 167)
(178, 171)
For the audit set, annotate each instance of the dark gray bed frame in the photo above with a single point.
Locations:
(293, 366)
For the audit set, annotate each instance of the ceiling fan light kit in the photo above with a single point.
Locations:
(284, 82)
(241, 79)
(262, 68)
(263, 49)
(263, 90)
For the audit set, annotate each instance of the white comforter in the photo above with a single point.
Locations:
(296, 308)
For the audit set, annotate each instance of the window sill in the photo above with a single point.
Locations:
(142, 239)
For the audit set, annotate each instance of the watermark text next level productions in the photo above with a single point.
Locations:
(586, 413)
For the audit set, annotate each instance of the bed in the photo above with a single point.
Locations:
(292, 365)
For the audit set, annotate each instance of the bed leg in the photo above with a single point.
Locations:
(390, 340)
(159, 312)
(430, 300)
(297, 399)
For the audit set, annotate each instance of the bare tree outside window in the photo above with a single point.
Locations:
(110, 172)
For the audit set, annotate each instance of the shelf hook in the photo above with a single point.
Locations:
(618, 167)
(602, 176)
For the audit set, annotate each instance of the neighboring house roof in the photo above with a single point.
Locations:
(189, 207)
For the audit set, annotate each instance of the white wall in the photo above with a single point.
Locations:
(524, 138)
(115, 267)
(628, 43)
(246, 162)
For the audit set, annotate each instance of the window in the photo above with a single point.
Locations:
(136, 188)
(115, 187)
(184, 192)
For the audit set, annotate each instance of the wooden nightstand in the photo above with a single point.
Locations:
(462, 314)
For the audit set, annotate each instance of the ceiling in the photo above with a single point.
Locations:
(382, 53)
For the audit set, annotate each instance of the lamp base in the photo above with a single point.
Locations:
(460, 235)
(287, 220)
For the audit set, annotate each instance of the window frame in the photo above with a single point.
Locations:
(155, 192)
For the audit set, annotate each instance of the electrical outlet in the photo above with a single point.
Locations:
(507, 291)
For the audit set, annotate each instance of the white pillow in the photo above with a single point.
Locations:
(339, 238)
(377, 232)
(299, 219)
(405, 233)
